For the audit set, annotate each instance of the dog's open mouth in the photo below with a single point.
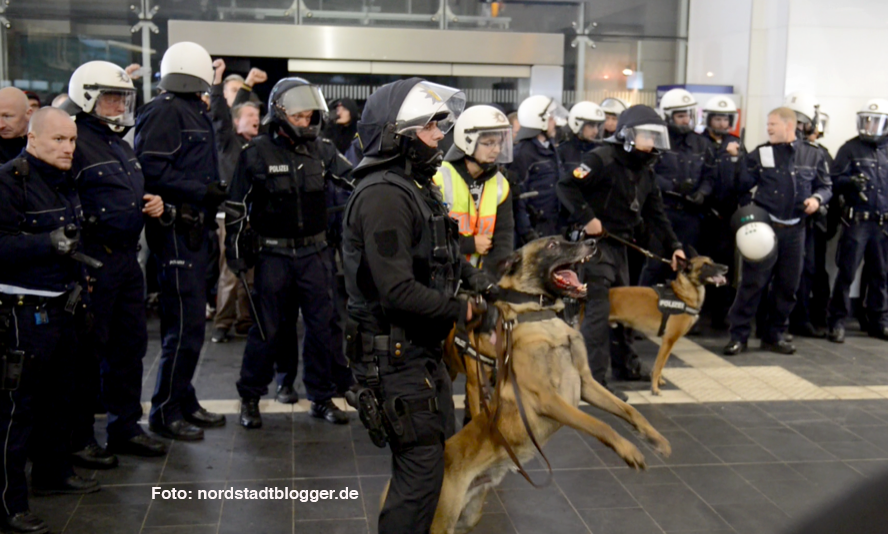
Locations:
(717, 280)
(567, 281)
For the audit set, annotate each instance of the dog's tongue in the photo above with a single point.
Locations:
(568, 278)
(719, 280)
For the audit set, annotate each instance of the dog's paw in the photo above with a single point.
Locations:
(655, 389)
(661, 381)
(661, 444)
(630, 454)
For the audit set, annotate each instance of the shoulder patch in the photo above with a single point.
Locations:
(581, 172)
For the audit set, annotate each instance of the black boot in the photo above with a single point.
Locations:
(328, 412)
(249, 414)
(24, 522)
(734, 348)
(836, 334)
(204, 419)
(286, 395)
(94, 457)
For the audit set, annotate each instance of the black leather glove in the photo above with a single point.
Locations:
(686, 186)
(484, 284)
(217, 193)
(484, 316)
(696, 198)
(63, 243)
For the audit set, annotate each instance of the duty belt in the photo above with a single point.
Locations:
(283, 242)
(70, 299)
(852, 215)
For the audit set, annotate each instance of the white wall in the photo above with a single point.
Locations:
(718, 42)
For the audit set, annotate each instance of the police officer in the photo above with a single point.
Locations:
(535, 169)
(402, 266)
(176, 148)
(585, 121)
(860, 174)
(112, 191)
(684, 174)
(14, 114)
(612, 107)
(40, 288)
(720, 118)
(792, 183)
(614, 189)
(475, 192)
(278, 189)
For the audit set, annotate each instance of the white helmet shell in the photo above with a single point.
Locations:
(94, 79)
(803, 103)
(721, 105)
(534, 112)
(478, 120)
(872, 119)
(876, 106)
(614, 106)
(583, 112)
(756, 240)
(186, 67)
(676, 100)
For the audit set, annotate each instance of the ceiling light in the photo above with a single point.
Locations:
(709, 74)
(606, 77)
(627, 72)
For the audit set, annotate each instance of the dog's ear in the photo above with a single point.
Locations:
(684, 265)
(511, 265)
(691, 252)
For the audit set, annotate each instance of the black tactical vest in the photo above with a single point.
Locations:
(288, 197)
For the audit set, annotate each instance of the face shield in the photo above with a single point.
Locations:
(300, 99)
(429, 102)
(872, 125)
(822, 124)
(494, 145)
(692, 118)
(114, 105)
(721, 123)
(645, 138)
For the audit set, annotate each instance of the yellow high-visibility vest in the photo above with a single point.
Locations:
(472, 221)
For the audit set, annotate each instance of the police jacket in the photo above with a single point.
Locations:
(571, 152)
(228, 142)
(401, 258)
(281, 184)
(110, 184)
(727, 169)
(176, 148)
(785, 175)
(858, 157)
(537, 168)
(11, 148)
(607, 185)
(35, 199)
(686, 168)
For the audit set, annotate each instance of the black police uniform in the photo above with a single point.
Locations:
(11, 148)
(536, 168)
(37, 327)
(619, 189)
(111, 186)
(864, 238)
(571, 153)
(281, 185)
(685, 176)
(794, 172)
(716, 236)
(402, 266)
(176, 148)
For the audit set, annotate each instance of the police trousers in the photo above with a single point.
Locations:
(687, 229)
(862, 241)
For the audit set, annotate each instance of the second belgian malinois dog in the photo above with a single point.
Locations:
(548, 369)
(638, 308)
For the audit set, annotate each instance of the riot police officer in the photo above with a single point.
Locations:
(585, 121)
(792, 183)
(14, 115)
(613, 107)
(535, 168)
(403, 266)
(860, 174)
(614, 189)
(112, 191)
(278, 190)
(40, 290)
(684, 175)
(720, 118)
(176, 148)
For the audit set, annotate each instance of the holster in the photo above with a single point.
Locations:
(12, 360)
(190, 224)
(364, 401)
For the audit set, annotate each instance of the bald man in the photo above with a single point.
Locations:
(40, 285)
(15, 110)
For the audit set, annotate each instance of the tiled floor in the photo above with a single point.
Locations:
(758, 453)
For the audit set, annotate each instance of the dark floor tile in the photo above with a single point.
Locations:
(593, 489)
(56, 510)
(331, 508)
(567, 450)
(744, 415)
(832, 474)
(323, 459)
(374, 465)
(139, 472)
(671, 410)
(308, 428)
(656, 417)
(652, 476)
(794, 497)
(332, 526)
(107, 519)
(609, 458)
(675, 507)
(712, 430)
(494, 524)
(189, 511)
(541, 511)
(877, 434)
(686, 450)
(754, 518)
(197, 462)
(718, 485)
(870, 468)
(776, 408)
(243, 467)
(189, 529)
(373, 484)
(259, 516)
(619, 521)
(824, 431)
(119, 495)
(845, 413)
(739, 454)
(854, 450)
(787, 445)
(765, 472)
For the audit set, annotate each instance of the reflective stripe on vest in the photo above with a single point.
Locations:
(462, 206)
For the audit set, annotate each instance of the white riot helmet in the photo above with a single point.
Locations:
(720, 106)
(614, 106)
(186, 68)
(679, 101)
(754, 235)
(822, 123)
(872, 120)
(534, 112)
(482, 127)
(806, 109)
(105, 91)
(583, 112)
(427, 102)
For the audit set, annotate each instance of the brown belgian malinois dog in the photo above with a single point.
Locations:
(640, 308)
(542, 374)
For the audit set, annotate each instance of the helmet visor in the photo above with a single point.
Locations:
(429, 102)
(646, 136)
(872, 125)
(691, 112)
(822, 124)
(302, 98)
(115, 105)
(494, 145)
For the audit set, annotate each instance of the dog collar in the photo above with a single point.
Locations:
(517, 297)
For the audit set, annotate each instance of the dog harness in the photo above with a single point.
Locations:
(669, 304)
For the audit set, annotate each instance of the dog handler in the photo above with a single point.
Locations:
(402, 270)
(614, 189)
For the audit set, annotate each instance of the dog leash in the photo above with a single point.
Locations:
(645, 252)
